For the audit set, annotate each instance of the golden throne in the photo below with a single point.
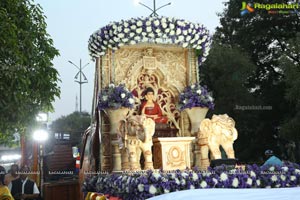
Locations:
(168, 69)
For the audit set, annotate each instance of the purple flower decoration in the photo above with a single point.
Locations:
(195, 96)
(144, 185)
(115, 97)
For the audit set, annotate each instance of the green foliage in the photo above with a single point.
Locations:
(291, 67)
(265, 38)
(255, 32)
(75, 124)
(28, 80)
(226, 72)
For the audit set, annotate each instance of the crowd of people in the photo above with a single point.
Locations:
(16, 184)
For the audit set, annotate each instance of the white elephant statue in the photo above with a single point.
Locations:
(136, 133)
(219, 131)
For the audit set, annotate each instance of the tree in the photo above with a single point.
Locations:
(291, 126)
(265, 38)
(226, 72)
(75, 124)
(261, 34)
(28, 80)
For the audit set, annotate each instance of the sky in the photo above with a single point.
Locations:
(71, 22)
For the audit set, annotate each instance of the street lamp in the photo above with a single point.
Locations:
(154, 13)
(80, 81)
(40, 136)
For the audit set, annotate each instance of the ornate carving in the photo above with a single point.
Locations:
(175, 157)
(125, 58)
(137, 132)
(185, 125)
(105, 70)
(149, 64)
(201, 151)
(172, 153)
(219, 131)
(165, 97)
(174, 66)
(163, 67)
(149, 60)
(130, 62)
(142, 66)
(148, 52)
(105, 147)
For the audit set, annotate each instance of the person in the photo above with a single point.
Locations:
(290, 148)
(4, 191)
(24, 188)
(151, 109)
(271, 159)
(13, 175)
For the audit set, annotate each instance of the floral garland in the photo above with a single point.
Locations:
(161, 30)
(147, 184)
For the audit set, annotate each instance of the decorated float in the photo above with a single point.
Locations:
(128, 154)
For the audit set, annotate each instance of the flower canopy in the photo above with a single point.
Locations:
(159, 30)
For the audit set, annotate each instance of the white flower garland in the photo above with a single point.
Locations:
(162, 30)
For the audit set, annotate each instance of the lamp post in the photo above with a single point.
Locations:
(40, 136)
(154, 13)
(79, 76)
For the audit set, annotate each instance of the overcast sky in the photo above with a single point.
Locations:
(71, 22)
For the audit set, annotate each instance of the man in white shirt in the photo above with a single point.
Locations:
(24, 188)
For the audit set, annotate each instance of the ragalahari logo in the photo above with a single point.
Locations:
(246, 8)
(291, 7)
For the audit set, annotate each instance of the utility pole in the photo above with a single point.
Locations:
(76, 104)
(154, 13)
(78, 78)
